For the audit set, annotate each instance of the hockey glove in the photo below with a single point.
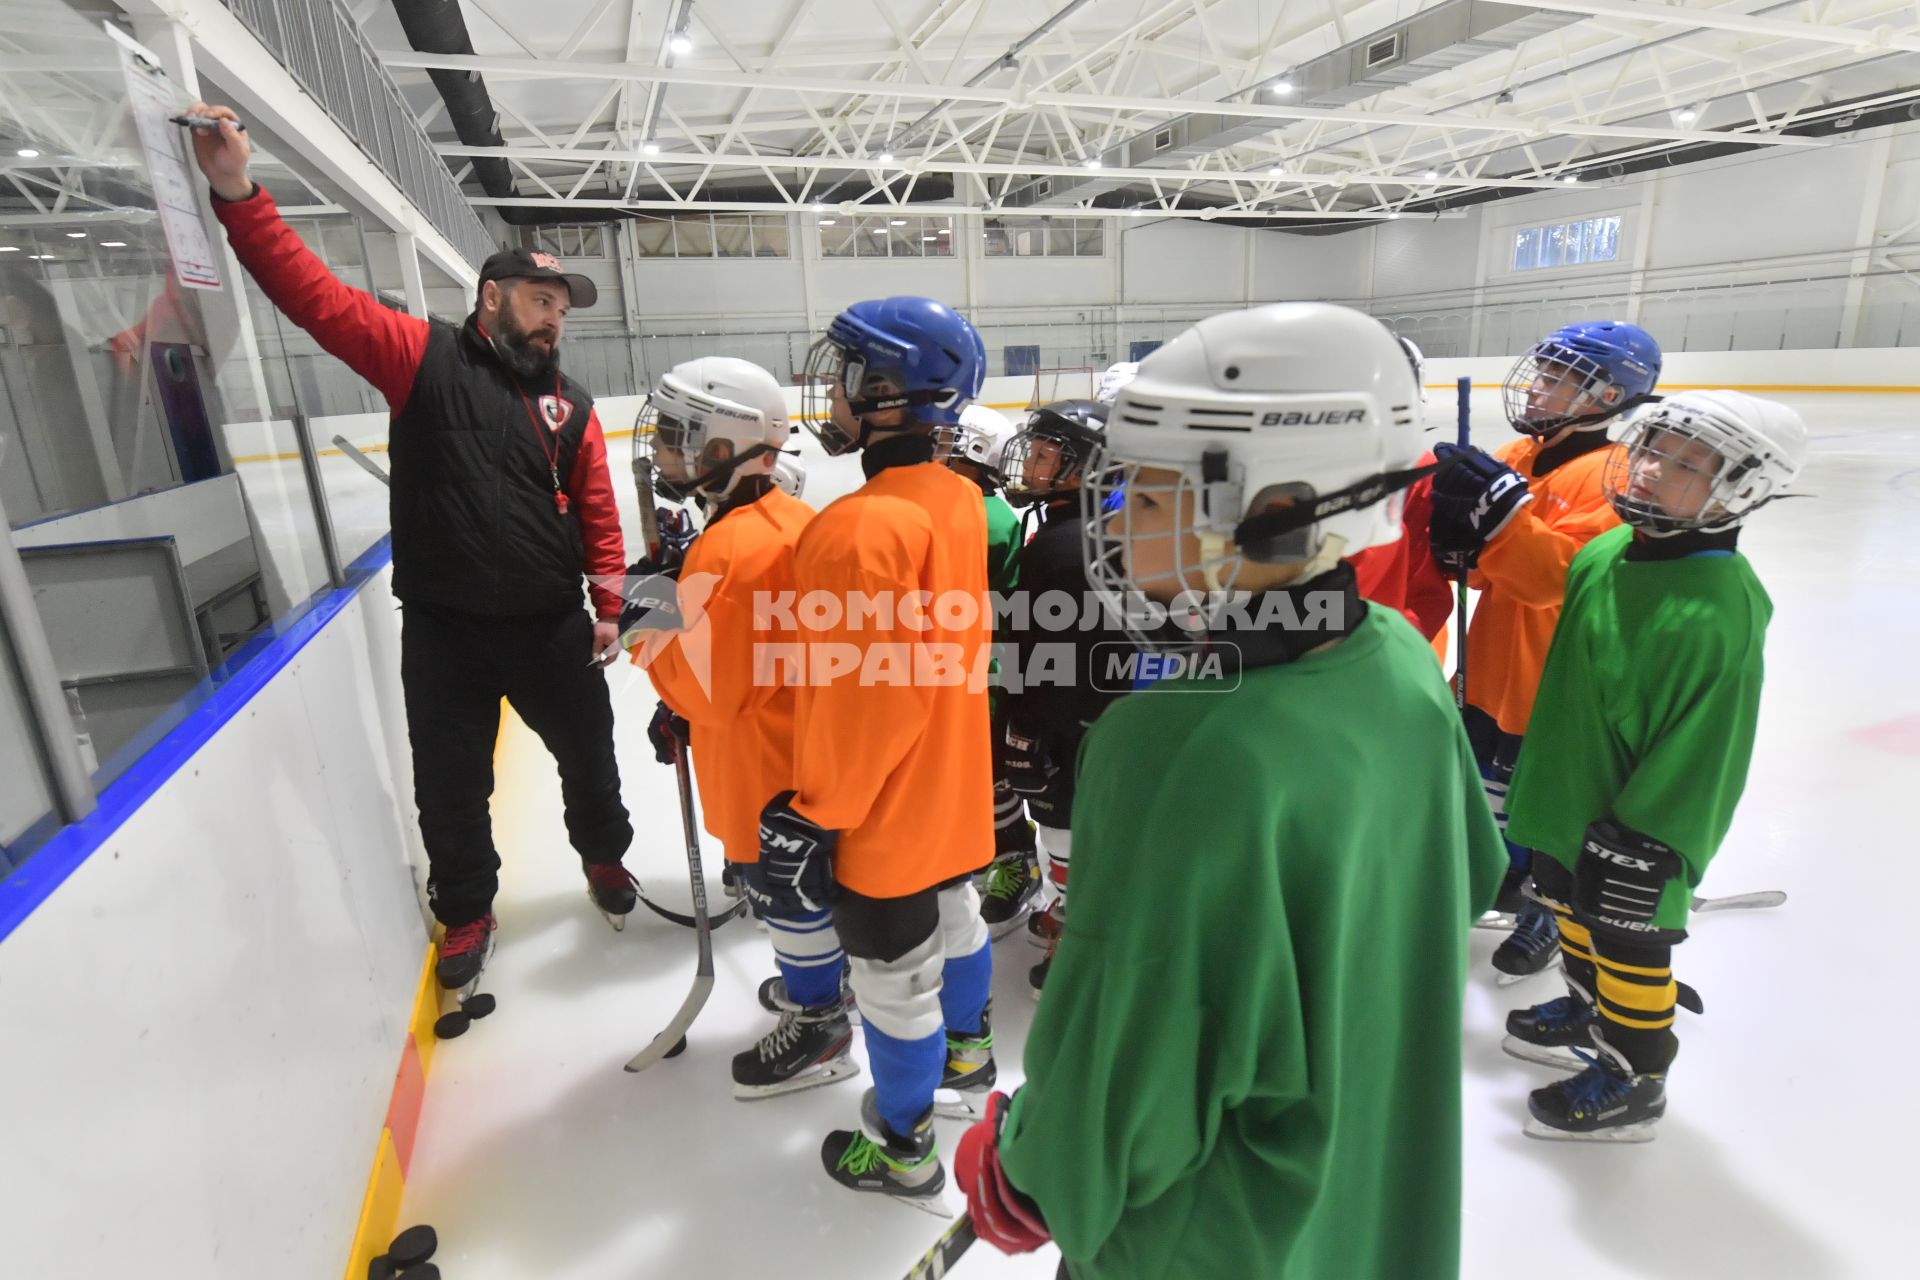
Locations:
(795, 871)
(1002, 1216)
(1474, 496)
(665, 732)
(652, 602)
(1024, 761)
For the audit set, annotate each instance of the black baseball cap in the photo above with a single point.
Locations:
(529, 264)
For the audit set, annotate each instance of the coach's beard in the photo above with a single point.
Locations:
(517, 349)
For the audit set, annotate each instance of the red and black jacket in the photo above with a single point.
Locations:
(477, 524)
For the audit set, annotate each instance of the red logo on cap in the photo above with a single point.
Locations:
(546, 260)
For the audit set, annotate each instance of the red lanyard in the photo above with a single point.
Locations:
(560, 503)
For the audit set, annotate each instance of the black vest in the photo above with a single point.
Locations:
(475, 527)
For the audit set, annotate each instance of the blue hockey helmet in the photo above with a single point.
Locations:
(1582, 375)
(890, 354)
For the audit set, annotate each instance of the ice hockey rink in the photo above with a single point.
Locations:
(1780, 1156)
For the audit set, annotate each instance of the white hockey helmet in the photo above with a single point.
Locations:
(710, 422)
(1307, 402)
(1415, 357)
(1115, 377)
(980, 437)
(1703, 460)
(789, 474)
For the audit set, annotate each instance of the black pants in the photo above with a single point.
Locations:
(455, 668)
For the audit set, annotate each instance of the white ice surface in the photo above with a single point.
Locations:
(1784, 1155)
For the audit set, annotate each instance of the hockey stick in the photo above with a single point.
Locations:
(946, 1251)
(1463, 398)
(1742, 901)
(361, 460)
(672, 1037)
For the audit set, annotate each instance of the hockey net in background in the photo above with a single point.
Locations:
(1063, 382)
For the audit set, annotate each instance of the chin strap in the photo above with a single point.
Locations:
(1284, 520)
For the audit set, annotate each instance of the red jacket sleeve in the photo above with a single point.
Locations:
(590, 489)
(380, 344)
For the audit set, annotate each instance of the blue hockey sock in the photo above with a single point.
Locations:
(905, 1074)
(807, 951)
(965, 984)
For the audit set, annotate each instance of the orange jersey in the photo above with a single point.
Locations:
(894, 754)
(716, 672)
(1522, 576)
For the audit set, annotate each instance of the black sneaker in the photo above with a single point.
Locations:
(1547, 1033)
(1607, 1102)
(613, 890)
(464, 951)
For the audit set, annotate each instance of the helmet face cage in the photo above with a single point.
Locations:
(830, 368)
(1680, 470)
(1038, 465)
(686, 462)
(1552, 370)
(1113, 542)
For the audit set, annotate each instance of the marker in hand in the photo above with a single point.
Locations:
(204, 122)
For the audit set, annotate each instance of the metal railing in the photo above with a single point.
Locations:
(325, 50)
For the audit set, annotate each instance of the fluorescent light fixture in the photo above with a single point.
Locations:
(681, 42)
(76, 235)
(9, 248)
(929, 237)
(27, 153)
(826, 222)
(113, 244)
(899, 222)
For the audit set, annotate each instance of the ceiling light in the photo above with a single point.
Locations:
(76, 235)
(1138, 212)
(1394, 214)
(929, 237)
(886, 157)
(819, 208)
(41, 257)
(113, 244)
(826, 222)
(1281, 88)
(27, 153)
(1687, 115)
(1433, 175)
(899, 222)
(1571, 179)
(1091, 162)
(9, 248)
(649, 148)
(681, 43)
(1276, 172)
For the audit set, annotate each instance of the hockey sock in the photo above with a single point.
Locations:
(905, 1074)
(1058, 845)
(807, 951)
(1012, 833)
(966, 977)
(1637, 996)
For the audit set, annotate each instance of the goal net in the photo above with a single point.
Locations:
(1063, 382)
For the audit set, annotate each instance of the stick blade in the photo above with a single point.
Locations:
(1760, 901)
(670, 1034)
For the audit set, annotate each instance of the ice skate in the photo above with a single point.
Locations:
(1043, 926)
(970, 1072)
(1547, 1033)
(774, 998)
(1533, 946)
(1011, 889)
(1607, 1102)
(612, 888)
(874, 1158)
(808, 1049)
(1037, 976)
(464, 952)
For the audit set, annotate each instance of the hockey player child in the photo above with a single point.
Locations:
(1049, 715)
(1514, 521)
(973, 447)
(1274, 873)
(890, 812)
(1639, 747)
(719, 424)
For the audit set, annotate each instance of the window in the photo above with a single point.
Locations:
(711, 235)
(566, 240)
(1567, 244)
(885, 235)
(1050, 237)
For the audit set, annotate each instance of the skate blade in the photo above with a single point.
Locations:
(819, 1077)
(1497, 920)
(959, 1104)
(998, 931)
(1542, 1055)
(619, 923)
(934, 1205)
(1644, 1131)
(1508, 979)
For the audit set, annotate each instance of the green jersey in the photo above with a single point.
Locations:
(1247, 1062)
(1647, 704)
(1003, 544)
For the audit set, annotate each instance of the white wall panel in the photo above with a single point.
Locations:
(204, 1020)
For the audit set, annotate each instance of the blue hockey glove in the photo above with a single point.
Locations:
(1474, 496)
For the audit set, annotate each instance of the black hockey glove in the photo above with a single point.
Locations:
(795, 871)
(1024, 761)
(652, 602)
(676, 535)
(665, 732)
(1473, 499)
